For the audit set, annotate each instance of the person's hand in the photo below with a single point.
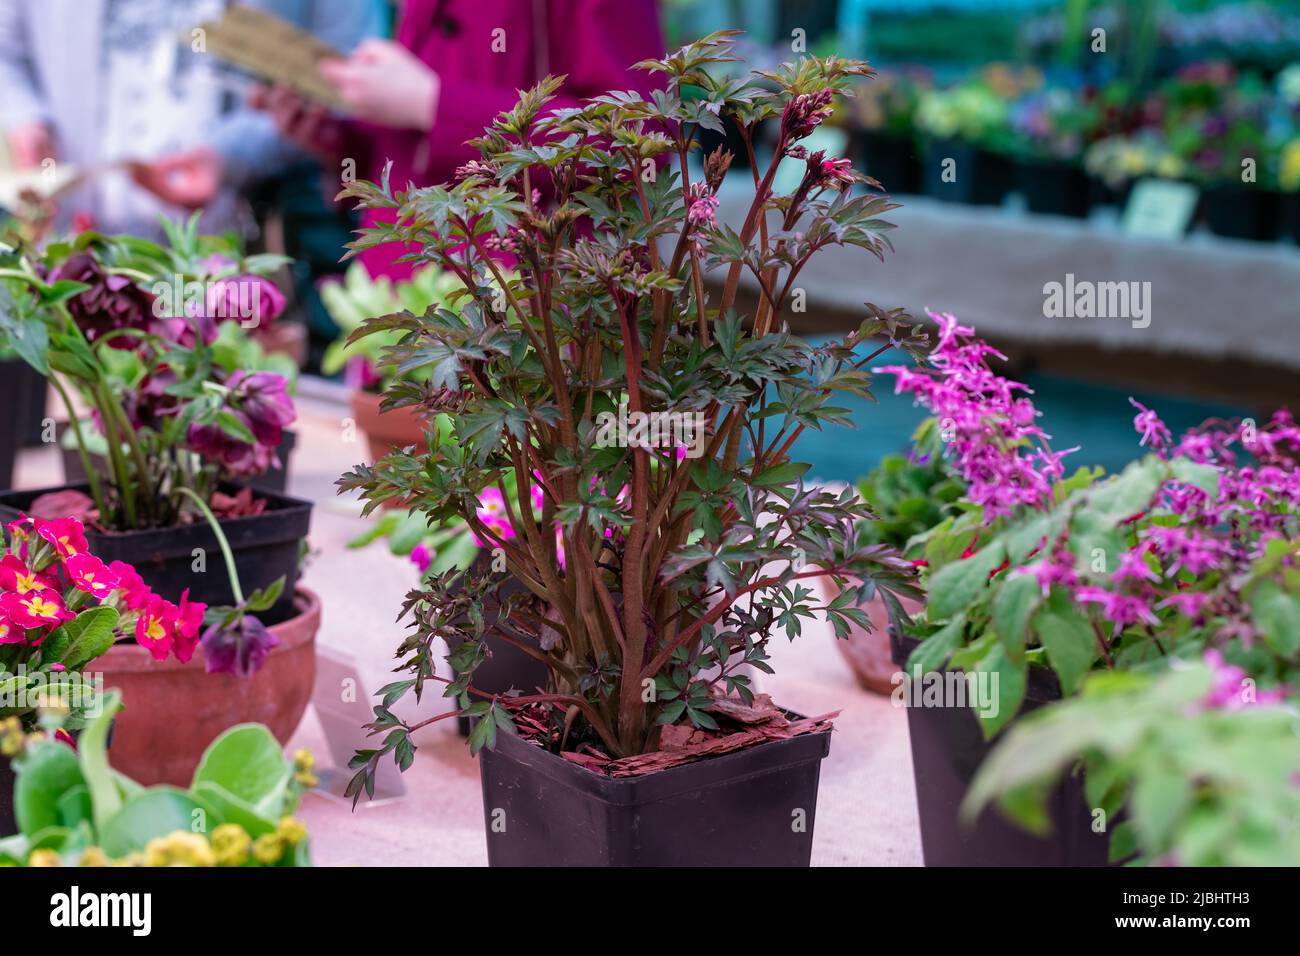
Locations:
(30, 145)
(387, 84)
(190, 179)
(307, 125)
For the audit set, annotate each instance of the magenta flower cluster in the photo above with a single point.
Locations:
(987, 422)
(1185, 552)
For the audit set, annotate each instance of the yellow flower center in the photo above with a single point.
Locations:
(41, 607)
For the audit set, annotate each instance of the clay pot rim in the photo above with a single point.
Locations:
(293, 634)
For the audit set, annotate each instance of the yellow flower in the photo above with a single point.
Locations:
(1289, 174)
(268, 848)
(231, 844)
(179, 849)
(291, 831)
(94, 856)
(44, 858)
(306, 779)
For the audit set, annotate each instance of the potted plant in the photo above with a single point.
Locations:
(350, 302)
(1201, 762)
(908, 495)
(131, 328)
(1216, 122)
(884, 114)
(234, 349)
(61, 609)
(1050, 128)
(74, 809)
(1043, 578)
(966, 132)
(670, 549)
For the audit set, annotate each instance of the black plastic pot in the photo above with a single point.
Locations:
(275, 480)
(893, 161)
(754, 807)
(20, 413)
(981, 178)
(265, 546)
(8, 823)
(1289, 216)
(1053, 188)
(1241, 212)
(947, 748)
(33, 411)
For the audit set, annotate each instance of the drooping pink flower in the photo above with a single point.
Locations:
(135, 593)
(186, 627)
(155, 628)
(422, 556)
(703, 206)
(67, 535)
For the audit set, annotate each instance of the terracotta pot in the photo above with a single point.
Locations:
(173, 711)
(867, 652)
(388, 431)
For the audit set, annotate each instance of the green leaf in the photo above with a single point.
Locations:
(779, 475)
(960, 585)
(1277, 615)
(246, 761)
(231, 809)
(1007, 682)
(1070, 642)
(105, 792)
(155, 813)
(933, 652)
(44, 776)
(1013, 604)
(81, 640)
(74, 806)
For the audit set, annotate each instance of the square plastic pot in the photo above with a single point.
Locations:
(981, 178)
(947, 748)
(1054, 188)
(753, 807)
(265, 547)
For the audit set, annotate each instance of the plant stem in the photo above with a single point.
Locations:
(92, 476)
(221, 542)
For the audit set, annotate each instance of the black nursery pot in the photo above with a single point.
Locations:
(1054, 188)
(20, 413)
(265, 547)
(947, 748)
(1240, 213)
(893, 161)
(274, 480)
(8, 823)
(753, 807)
(981, 178)
(1289, 216)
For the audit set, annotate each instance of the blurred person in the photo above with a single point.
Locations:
(454, 66)
(114, 88)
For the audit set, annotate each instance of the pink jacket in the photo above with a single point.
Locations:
(594, 42)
